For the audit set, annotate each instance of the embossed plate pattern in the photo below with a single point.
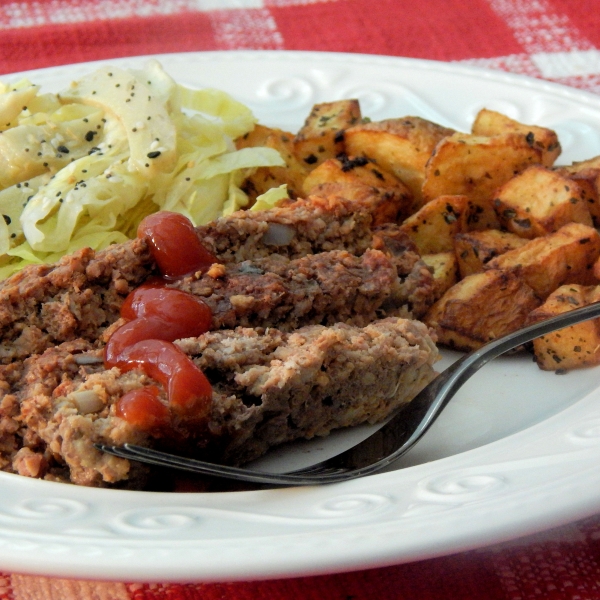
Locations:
(516, 452)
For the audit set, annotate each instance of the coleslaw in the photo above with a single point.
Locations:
(83, 167)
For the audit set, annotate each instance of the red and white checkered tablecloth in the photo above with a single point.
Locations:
(557, 40)
(553, 39)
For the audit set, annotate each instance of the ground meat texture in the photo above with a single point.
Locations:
(318, 289)
(269, 387)
(292, 353)
(416, 287)
(80, 296)
(307, 226)
(61, 403)
(77, 297)
(309, 382)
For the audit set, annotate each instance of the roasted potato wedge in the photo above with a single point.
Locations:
(539, 201)
(359, 173)
(257, 137)
(475, 166)
(322, 135)
(545, 263)
(482, 216)
(572, 347)
(433, 227)
(582, 165)
(444, 268)
(265, 178)
(500, 229)
(596, 270)
(490, 123)
(476, 248)
(346, 169)
(400, 146)
(480, 308)
(586, 174)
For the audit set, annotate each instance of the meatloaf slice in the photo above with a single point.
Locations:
(269, 387)
(317, 289)
(312, 381)
(306, 226)
(78, 297)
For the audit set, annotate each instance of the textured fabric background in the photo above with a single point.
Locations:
(553, 39)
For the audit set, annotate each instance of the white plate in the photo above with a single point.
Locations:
(516, 452)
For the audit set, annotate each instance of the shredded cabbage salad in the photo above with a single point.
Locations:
(83, 167)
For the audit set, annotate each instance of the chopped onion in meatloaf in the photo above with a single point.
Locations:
(312, 330)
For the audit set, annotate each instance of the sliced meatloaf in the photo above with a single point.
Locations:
(80, 297)
(269, 387)
(317, 289)
(306, 226)
(306, 339)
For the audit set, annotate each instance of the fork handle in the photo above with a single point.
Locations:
(415, 419)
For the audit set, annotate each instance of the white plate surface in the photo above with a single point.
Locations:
(516, 452)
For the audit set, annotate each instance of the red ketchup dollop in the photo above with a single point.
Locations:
(175, 245)
(143, 409)
(157, 316)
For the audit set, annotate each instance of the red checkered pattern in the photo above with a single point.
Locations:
(554, 39)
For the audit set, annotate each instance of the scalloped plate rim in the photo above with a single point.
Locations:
(214, 558)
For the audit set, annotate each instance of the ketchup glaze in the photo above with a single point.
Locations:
(143, 409)
(157, 312)
(175, 245)
(157, 316)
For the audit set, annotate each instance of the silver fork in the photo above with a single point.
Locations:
(392, 440)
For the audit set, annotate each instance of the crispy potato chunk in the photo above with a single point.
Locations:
(476, 248)
(474, 166)
(482, 216)
(433, 227)
(539, 201)
(582, 165)
(572, 347)
(351, 170)
(385, 205)
(322, 136)
(265, 178)
(444, 268)
(480, 308)
(400, 146)
(586, 174)
(354, 174)
(490, 123)
(596, 270)
(257, 137)
(545, 263)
